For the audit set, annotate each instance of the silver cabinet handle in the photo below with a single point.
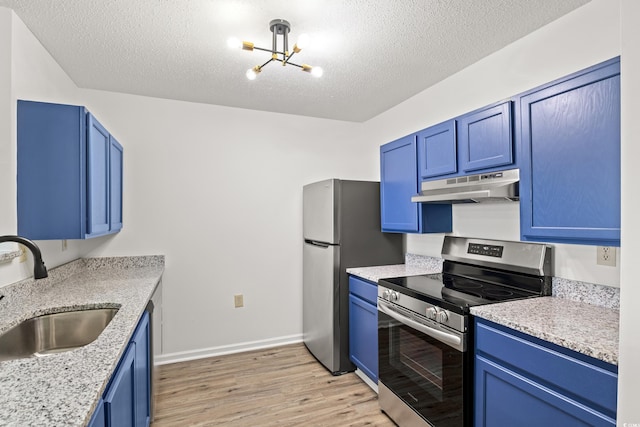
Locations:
(451, 339)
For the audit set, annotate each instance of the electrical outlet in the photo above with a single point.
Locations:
(238, 300)
(607, 255)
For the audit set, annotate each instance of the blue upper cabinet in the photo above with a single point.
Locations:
(116, 158)
(98, 149)
(69, 173)
(398, 183)
(570, 171)
(479, 141)
(437, 150)
(485, 138)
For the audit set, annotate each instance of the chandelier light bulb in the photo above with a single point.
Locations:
(234, 43)
(303, 41)
(317, 71)
(251, 74)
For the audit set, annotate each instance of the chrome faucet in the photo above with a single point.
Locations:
(39, 270)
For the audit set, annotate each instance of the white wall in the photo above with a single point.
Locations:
(629, 369)
(7, 187)
(582, 38)
(219, 192)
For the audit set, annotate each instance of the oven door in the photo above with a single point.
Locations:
(430, 376)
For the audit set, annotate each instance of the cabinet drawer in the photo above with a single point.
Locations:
(594, 384)
(366, 290)
(505, 398)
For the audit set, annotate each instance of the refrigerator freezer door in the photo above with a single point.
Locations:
(320, 305)
(319, 219)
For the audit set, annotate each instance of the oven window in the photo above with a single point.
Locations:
(419, 360)
(428, 375)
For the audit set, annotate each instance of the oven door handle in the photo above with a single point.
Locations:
(451, 339)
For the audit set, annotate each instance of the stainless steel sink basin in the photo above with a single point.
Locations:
(54, 333)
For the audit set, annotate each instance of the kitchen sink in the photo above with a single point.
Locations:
(54, 333)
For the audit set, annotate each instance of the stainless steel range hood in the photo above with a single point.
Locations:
(486, 187)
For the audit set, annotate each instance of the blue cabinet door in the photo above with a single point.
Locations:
(437, 150)
(363, 326)
(68, 186)
(51, 178)
(570, 171)
(98, 149)
(521, 380)
(120, 397)
(98, 418)
(363, 336)
(485, 138)
(398, 183)
(115, 185)
(504, 398)
(142, 372)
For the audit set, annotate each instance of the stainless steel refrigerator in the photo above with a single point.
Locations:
(341, 228)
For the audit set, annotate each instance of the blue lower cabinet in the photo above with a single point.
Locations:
(523, 381)
(127, 398)
(142, 373)
(98, 417)
(120, 397)
(363, 326)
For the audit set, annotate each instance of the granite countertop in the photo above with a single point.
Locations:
(415, 266)
(64, 388)
(582, 327)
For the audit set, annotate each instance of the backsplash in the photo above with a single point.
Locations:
(9, 255)
(415, 260)
(590, 293)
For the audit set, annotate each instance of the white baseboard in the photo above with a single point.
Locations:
(184, 356)
(368, 381)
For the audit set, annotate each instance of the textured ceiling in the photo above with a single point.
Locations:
(375, 53)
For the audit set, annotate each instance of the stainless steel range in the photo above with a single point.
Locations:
(424, 329)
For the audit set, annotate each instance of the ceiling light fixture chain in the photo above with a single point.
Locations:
(279, 28)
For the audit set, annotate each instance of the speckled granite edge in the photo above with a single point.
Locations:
(429, 262)
(9, 255)
(26, 287)
(590, 293)
(415, 265)
(124, 262)
(575, 325)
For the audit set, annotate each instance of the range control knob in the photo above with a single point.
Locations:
(431, 313)
(385, 294)
(394, 296)
(442, 316)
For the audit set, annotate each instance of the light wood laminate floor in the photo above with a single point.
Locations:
(283, 386)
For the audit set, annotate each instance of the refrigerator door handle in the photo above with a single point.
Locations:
(316, 243)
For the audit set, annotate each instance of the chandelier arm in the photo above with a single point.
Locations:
(268, 50)
(294, 64)
(286, 61)
(266, 62)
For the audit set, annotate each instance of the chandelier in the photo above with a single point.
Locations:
(279, 28)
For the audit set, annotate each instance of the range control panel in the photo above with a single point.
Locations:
(488, 250)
